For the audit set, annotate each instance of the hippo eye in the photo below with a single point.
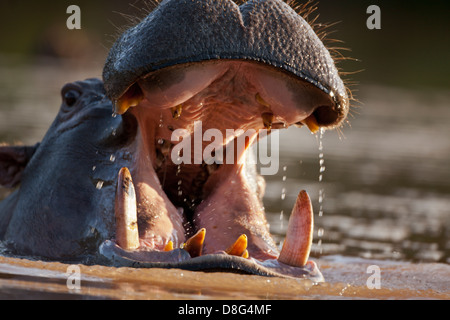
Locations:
(71, 97)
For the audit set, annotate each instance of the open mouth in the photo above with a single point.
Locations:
(191, 199)
(204, 80)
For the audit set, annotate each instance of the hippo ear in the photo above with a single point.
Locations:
(13, 160)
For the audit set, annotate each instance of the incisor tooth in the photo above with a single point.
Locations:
(176, 111)
(129, 99)
(312, 123)
(239, 248)
(169, 246)
(194, 245)
(261, 101)
(127, 235)
(297, 245)
(267, 119)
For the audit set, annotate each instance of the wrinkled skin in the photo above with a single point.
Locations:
(106, 189)
(57, 212)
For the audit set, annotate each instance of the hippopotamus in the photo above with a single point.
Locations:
(105, 185)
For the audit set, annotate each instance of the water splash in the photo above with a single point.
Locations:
(283, 196)
(321, 231)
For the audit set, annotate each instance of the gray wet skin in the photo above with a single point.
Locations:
(64, 207)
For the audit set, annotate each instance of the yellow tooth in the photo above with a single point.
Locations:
(194, 245)
(127, 235)
(239, 248)
(312, 123)
(299, 235)
(131, 98)
(176, 111)
(267, 119)
(169, 246)
(261, 101)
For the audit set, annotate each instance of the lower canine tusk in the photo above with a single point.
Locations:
(299, 235)
(127, 235)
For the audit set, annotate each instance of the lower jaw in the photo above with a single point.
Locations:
(209, 249)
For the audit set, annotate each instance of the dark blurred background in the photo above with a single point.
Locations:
(411, 49)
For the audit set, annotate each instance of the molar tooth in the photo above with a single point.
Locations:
(267, 118)
(297, 245)
(127, 235)
(239, 248)
(312, 123)
(194, 245)
(176, 111)
(261, 101)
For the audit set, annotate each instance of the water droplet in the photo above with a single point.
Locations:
(112, 158)
(322, 168)
(320, 232)
(161, 141)
(99, 185)
(161, 121)
(93, 168)
(283, 193)
(114, 115)
(114, 132)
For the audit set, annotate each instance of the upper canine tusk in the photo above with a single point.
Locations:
(312, 123)
(131, 98)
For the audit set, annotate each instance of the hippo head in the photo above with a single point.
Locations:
(122, 175)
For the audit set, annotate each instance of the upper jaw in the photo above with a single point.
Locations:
(268, 32)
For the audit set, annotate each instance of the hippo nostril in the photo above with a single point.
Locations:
(327, 116)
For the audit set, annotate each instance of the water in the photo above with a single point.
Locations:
(385, 196)
(386, 184)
